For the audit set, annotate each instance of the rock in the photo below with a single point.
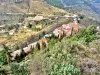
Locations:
(89, 66)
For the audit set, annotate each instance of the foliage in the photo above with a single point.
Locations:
(19, 69)
(12, 26)
(29, 25)
(2, 70)
(63, 69)
(81, 16)
(58, 61)
(3, 59)
(98, 73)
(86, 34)
(58, 57)
(3, 56)
(60, 64)
(56, 3)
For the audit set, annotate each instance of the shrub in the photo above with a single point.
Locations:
(29, 25)
(18, 69)
(63, 69)
(98, 73)
(3, 56)
(3, 59)
(58, 61)
(86, 34)
(55, 66)
(81, 16)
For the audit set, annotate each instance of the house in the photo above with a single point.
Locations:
(15, 54)
(39, 18)
(58, 32)
(75, 27)
(27, 50)
(66, 29)
(42, 43)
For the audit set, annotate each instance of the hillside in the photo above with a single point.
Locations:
(39, 7)
(8, 7)
(34, 6)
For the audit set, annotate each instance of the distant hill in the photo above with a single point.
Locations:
(90, 8)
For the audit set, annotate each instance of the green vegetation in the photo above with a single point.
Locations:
(56, 3)
(19, 69)
(38, 25)
(86, 34)
(3, 60)
(63, 69)
(59, 58)
(3, 56)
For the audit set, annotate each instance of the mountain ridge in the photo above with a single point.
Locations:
(89, 8)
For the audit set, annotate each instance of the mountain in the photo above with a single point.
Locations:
(89, 8)
(22, 6)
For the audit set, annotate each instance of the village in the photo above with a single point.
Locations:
(57, 29)
(31, 25)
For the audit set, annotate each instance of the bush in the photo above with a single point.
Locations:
(18, 69)
(3, 59)
(29, 26)
(57, 60)
(3, 56)
(55, 66)
(81, 16)
(86, 34)
(63, 69)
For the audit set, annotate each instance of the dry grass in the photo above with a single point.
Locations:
(38, 7)
(21, 35)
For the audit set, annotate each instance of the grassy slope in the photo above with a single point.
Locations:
(36, 6)
(39, 7)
